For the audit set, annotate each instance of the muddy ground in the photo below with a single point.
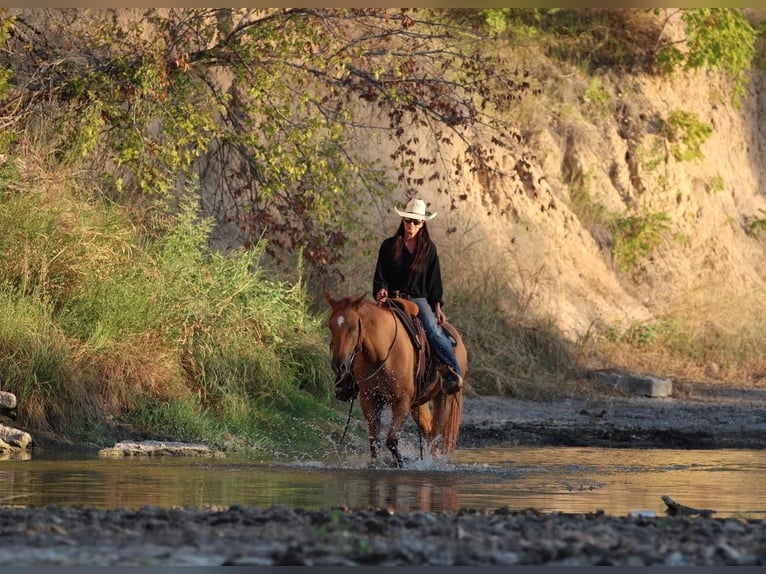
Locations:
(697, 417)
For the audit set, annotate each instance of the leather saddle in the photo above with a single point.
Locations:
(407, 311)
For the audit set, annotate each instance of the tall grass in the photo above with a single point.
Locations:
(718, 339)
(103, 324)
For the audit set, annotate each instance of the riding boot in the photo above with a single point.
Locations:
(452, 382)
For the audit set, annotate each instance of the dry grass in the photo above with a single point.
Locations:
(689, 350)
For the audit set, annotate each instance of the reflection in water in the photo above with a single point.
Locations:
(15, 455)
(548, 479)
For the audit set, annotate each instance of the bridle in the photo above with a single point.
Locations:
(358, 348)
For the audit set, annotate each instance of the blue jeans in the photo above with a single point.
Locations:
(437, 338)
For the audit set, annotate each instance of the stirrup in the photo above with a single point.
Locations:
(453, 383)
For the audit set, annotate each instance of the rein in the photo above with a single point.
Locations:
(388, 353)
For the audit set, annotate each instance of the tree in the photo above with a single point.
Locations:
(716, 38)
(266, 105)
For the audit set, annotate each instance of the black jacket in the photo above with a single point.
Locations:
(394, 274)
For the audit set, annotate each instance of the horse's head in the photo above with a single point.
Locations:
(345, 325)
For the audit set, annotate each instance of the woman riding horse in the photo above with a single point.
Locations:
(408, 266)
(372, 353)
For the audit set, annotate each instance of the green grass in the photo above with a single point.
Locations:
(102, 323)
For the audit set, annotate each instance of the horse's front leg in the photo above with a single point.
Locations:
(372, 412)
(399, 412)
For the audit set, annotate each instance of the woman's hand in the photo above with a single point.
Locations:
(381, 296)
(440, 316)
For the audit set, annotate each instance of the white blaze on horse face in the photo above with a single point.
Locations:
(341, 319)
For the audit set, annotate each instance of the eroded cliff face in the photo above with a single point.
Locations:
(539, 240)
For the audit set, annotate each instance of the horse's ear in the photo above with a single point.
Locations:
(359, 301)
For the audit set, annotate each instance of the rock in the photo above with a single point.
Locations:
(158, 448)
(674, 508)
(15, 438)
(7, 400)
(646, 386)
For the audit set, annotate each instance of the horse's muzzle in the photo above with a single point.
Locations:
(342, 366)
(345, 387)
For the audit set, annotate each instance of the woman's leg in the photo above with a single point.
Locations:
(440, 343)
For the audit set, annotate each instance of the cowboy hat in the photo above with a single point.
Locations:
(416, 209)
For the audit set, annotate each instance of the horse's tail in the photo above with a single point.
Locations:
(452, 426)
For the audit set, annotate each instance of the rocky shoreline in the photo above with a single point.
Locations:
(280, 536)
(697, 418)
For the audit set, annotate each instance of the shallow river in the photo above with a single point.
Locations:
(548, 479)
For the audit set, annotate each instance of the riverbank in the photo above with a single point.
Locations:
(696, 417)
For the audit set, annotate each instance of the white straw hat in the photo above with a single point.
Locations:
(416, 209)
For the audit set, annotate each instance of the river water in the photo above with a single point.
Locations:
(548, 479)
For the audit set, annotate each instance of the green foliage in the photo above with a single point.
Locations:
(7, 135)
(718, 39)
(595, 93)
(686, 134)
(636, 236)
(152, 118)
(587, 38)
(760, 47)
(715, 184)
(758, 224)
(646, 334)
(524, 22)
(51, 248)
(692, 340)
(6, 24)
(33, 358)
(239, 332)
(654, 154)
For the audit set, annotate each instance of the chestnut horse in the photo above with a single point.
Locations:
(371, 347)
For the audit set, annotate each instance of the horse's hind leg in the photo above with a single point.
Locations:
(422, 416)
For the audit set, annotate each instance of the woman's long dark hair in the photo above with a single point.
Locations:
(422, 246)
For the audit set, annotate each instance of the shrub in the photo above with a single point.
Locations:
(636, 236)
(686, 134)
